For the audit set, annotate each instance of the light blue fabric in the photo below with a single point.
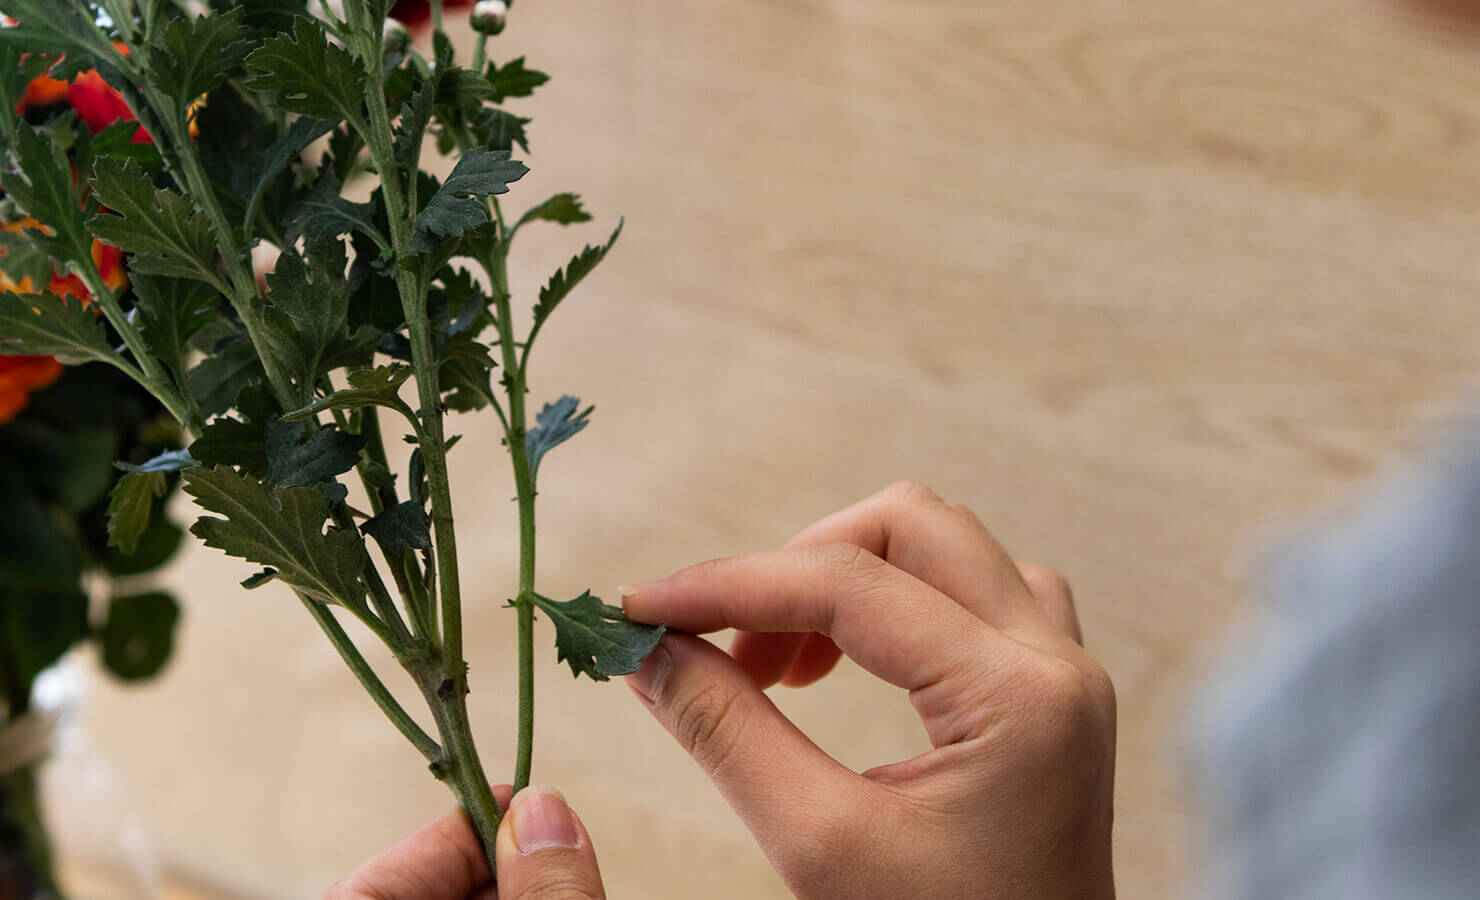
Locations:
(1339, 750)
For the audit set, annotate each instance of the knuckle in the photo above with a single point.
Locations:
(1077, 702)
(706, 723)
(911, 493)
(1047, 580)
(559, 883)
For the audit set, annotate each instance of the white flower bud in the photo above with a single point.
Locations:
(490, 16)
(396, 36)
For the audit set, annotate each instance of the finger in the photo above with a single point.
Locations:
(817, 657)
(766, 656)
(544, 852)
(770, 773)
(943, 544)
(440, 861)
(894, 625)
(1053, 593)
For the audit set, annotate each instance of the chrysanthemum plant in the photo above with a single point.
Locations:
(380, 316)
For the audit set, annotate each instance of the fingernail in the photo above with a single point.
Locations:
(626, 590)
(648, 680)
(542, 820)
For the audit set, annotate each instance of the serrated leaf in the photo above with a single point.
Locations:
(558, 422)
(306, 74)
(160, 226)
(231, 442)
(130, 505)
(169, 461)
(324, 213)
(307, 313)
(49, 325)
(138, 636)
(463, 90)
(457, 207)
(513, 79)
(562, 209)
(170, 311)
(367, 387)
(412, 127)
(400, 528)
(117, 142)
(43, 188)
(501, 130)
(596, 639)
(264, 169)
(190, 57)
(294, 460)
(283, 529)
(46, 26)
(216, 380)
(564, 281)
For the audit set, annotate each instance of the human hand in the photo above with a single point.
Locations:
(543, 852)
(1015, 799)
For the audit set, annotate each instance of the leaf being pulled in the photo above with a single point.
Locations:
(457, 207)
(597, 639)
(130, 506)
(162, 227)
(49, 325)
(558, 422)
(139, 634)
(282, 529)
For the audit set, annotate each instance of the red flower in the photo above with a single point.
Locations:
(19, 376)
(99, 104)
(416, 13)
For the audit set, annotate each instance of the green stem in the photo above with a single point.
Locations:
(371, 682)
(23, 833)
(461, 767)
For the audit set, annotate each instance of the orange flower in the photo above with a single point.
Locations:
(19, 376)
(99, 104)
(42, 91)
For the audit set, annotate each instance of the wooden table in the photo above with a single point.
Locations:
(1133, 278)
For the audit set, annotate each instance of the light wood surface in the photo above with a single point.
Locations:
(1132, 279)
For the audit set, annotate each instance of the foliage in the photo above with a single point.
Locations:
(261, 121)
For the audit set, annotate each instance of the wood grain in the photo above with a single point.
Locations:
(1133, 279)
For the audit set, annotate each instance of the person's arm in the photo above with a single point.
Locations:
(1015, 799)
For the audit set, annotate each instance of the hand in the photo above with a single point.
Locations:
(1014, 800)
(543, 851)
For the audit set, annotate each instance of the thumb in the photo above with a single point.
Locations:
(773, 776)
(544, 852)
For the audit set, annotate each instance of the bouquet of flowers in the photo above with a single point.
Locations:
(297, 130)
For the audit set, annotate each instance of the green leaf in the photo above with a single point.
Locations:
(501, 130)
(170, 311)
(130, 505)
(138, 636)
(596, 639)
(267, 167)
(456, 207)
(47, 26)
(37, 628)
(463, 90)
(216, 380)
(324, 213)
(117, 142)
(367, 387)
(558, 422)
(400, 528)
(513, 80)
(49, 325)
(190, 57)
(231, 442)
(565, 280)
(160, 226)
(562, 209)
(157, 545)
(294, 460)
(306, 74)
(43, 188)
(307, 314)
(283, 529)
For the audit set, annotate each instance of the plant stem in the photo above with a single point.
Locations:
(460, 766)
(524, 487)
(23, 832)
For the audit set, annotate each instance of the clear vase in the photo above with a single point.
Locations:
(67, 830)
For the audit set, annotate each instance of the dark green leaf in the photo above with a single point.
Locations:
(306, 74)
(261, 171)
(216, 380)
(565, 280)
(117, 142)
(47, 26)
(138, 635)
(558, 422)
(170, 311)
(457, 206)
(398, 529)
(283, 529)
(190, 57)
(512, 79)
(252, 582)
(307, 314)
(563, 209)
(324, 213)
(367, 387)
(130, 505)
(230, 442)
(161, 226)
(501, 130)
(596, 639)
(38, 628)
(294, 460)
(43, 188)
(49, 325)
(158, 544)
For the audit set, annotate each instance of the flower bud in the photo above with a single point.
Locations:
(396, 36)
(489, 16)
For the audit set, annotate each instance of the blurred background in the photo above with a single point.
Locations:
(1137, 280)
